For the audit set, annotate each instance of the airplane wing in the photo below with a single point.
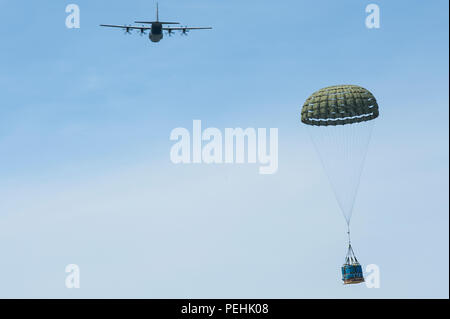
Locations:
(186, 28)
(126, 27)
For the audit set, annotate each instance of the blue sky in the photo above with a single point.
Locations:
(86, 178)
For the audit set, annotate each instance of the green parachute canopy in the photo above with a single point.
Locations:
(339, 105)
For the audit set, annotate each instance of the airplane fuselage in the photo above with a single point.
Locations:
(156, 33)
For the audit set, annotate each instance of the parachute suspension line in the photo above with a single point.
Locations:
(342, 150)
(349, 256)
(348, 233)
(351, 142)
(350, 259)
(365, 148)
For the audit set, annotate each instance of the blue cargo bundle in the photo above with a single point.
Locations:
(351, 270)
(352, 274)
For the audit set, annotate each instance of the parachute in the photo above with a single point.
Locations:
(340, 121)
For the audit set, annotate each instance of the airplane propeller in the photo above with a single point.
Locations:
(142, 32)
(128, 30)
(184, 31)
(170, 32)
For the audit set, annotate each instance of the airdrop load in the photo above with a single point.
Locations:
(351, 269)
(340, 121)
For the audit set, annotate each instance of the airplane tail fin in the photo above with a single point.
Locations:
(157, 12)
(157, 19)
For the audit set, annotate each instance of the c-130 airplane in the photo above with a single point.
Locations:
(157, 28)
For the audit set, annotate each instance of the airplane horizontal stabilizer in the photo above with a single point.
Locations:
(150, 22)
